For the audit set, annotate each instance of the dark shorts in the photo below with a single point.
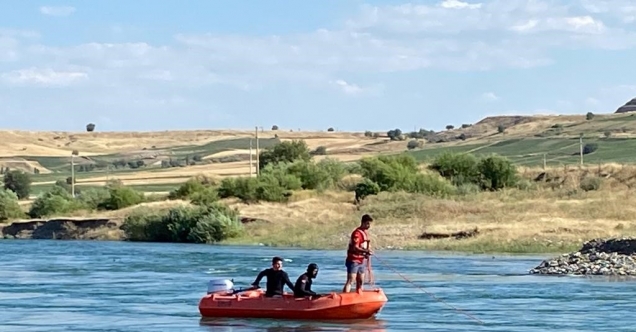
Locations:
(353, 267)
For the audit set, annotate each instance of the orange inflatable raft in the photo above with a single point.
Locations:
(254, 304)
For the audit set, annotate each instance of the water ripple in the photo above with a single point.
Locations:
(116, 286)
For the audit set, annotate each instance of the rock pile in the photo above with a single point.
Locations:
(596, 257)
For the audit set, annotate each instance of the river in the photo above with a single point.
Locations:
(48, 285)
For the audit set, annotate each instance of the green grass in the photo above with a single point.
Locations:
(223, 145)
(558, 151)
(159, 187)
(61, 165)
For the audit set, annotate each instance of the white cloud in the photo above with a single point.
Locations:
(448, 35)
(57, 10)
(459, 4)
(348, 88)
(43, 77)
(489, 96)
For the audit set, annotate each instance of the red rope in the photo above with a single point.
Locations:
(422, 289)
(369, 274)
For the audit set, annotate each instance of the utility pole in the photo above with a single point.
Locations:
(258, 161)
(73, 175)
(251, 161)
(544, 162)
(581, 147)
(73, 154)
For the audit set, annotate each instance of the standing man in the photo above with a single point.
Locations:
(356, 253)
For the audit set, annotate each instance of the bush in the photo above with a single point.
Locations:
(431, 184)
(90, 127)
(459, 168)
(390, 172)
(93, 198)
(205, 197)
(317, 176)
(200, 224)
(121, 197)
(589, 116)
(590, 184)
(284, 152)
(366, 188)
(190, 187)
(413, 144)
(589, 148)
(9, 206)
(497, 172)
(55, 201)
(19, 182)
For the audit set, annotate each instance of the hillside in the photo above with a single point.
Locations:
(159, 161)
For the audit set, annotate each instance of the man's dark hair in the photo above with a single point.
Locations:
(276, 259)
(366, 217)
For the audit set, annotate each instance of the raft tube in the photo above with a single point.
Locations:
(253, 304)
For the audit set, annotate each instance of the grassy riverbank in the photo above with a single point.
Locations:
(511, 221)
(542, 217)
(305, 195)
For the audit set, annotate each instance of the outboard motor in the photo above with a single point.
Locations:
(220, 286)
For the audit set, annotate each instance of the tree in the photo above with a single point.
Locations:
(589, 116)
(330, 129)
(274, 127)
(19, 182)
(284, 152)
(90, 127)
(449, 127)
(501, 129)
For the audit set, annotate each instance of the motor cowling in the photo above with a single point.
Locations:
(220, 285)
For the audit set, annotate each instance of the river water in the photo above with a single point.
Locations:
(48, 285)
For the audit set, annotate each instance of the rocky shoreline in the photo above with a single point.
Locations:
(614, 257)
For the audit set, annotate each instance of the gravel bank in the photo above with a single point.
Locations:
(596, 257)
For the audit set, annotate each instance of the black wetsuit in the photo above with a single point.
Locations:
(303, 286)
(276, 280)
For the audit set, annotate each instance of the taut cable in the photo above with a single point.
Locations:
(422, 289)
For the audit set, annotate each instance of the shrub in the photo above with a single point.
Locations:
(9, 206)
(459, 168)
(205, 197)
(589, 116)
(190, 187)
(330, 129)
(90, 127)
(589, 184)
(366, 188)
(93, 198)
(320, 176)
(241, 188)
(274, 127)
(121, 197)
(368, 133)
(19, 182)
(320, 151)
(390, 172)
(55, 201)
(497, 172)
(431, 184)
(199, 224)
(285, 152)
(413, 144)
(589, 148)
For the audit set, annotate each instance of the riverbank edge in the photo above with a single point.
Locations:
(108, 229)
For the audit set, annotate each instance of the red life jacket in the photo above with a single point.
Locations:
(352, 255)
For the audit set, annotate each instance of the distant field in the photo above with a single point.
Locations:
(530, 151)
(221, 153)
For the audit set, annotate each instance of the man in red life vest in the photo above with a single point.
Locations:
(358, 250)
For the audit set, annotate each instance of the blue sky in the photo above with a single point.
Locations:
(348, 64)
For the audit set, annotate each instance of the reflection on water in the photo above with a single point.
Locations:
(232, 325)
(117, 286)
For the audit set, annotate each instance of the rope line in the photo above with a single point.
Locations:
(422, 289)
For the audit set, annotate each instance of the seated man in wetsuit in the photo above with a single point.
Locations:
(276, 278)
(303, 283)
